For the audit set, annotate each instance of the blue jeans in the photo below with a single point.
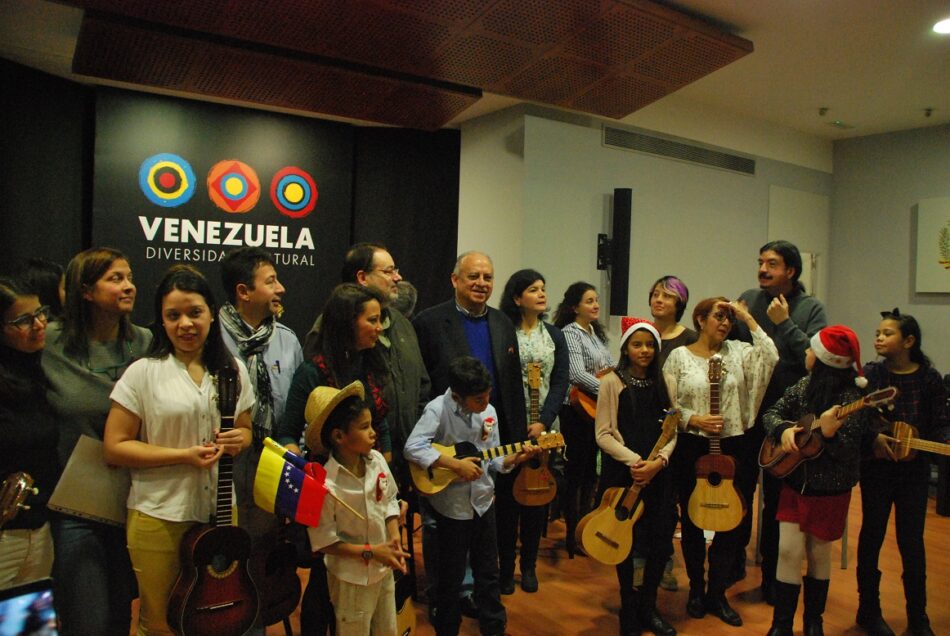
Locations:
(93, 573)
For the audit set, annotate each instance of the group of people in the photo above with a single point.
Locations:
(371, 393)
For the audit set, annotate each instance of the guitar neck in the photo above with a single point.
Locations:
(714, 447)
(506, 449)
(925, 445)
(534, 407)
(222, 508)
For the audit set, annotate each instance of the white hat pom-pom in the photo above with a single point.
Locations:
(861, 381)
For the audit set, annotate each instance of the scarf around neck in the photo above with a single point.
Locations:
(252, 344)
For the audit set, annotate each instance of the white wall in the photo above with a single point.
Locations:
(878, 181)
(700, 223)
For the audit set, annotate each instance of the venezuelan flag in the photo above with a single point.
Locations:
(287, 484)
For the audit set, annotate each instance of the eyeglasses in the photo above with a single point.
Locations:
(25, 322)
(389, 271)
(722, 316)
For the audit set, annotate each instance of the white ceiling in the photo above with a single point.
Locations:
(876, 65)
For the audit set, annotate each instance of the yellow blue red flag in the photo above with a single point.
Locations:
(288, 485)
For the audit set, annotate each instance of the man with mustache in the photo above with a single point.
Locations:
(467, 326)
(790, 317)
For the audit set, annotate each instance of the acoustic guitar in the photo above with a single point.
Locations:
(810, 440)
(715, 504)
(13, 495)
(905, 442)
(583, 402)
(606, 533)
(405, 588)
(431, 480)
(215, 593)
(274, 571)
(535, 484)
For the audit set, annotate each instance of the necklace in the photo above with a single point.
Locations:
(639, 382)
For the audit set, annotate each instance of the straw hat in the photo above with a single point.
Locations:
(320, 404)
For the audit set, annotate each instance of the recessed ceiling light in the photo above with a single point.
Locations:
(943, 27)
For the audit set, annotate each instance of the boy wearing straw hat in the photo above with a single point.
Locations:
(360, 553)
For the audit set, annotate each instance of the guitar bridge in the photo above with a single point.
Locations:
(607, 540)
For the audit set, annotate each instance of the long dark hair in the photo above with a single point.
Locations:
(83, 271)
(653, 371)
(185, 278)
(14, 385)
(566, 314)
(519, 281)
(42, 277)
(825, 386)
(336, 340)
(909, 327)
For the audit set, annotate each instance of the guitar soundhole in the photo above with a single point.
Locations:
(621, 513)
(534, 463)
(714, 479)
(220, 563)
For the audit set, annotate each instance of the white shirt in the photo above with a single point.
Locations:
(375, 497)
(175, 413)
(746, 370)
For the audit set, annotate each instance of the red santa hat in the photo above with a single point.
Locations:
(629, 324)
(838, 347)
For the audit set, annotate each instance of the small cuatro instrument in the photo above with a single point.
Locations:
(535, 484)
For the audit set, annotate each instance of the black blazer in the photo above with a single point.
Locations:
(442, 339)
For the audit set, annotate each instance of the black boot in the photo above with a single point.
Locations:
(650, 620)
(920, 626)
(816, 595)
(915, 592)
(786, 603)
(869, 616)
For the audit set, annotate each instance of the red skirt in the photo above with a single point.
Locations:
(821, 517)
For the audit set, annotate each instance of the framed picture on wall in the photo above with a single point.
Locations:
(933, 245)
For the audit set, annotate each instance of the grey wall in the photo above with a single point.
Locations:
(878, 181)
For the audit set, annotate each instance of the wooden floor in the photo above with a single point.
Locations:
(580, 596)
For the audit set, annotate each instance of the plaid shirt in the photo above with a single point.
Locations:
(922, 400)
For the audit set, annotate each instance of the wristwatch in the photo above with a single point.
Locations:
(367, 553)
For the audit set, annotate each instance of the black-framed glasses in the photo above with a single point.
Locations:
(25, 322)
(114, 371)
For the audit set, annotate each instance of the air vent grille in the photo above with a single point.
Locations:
(629, 140)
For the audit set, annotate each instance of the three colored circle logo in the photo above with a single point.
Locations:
(167, 180)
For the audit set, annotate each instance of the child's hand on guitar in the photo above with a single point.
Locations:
(391, 554)
(883, 449)
(709, 423)
(527, 452)
(830, 423)
(788, 439)
(643, 472)
(468, 468)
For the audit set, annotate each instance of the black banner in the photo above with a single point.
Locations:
(185, 182)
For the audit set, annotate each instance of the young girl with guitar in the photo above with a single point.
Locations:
(813, 503)
(544, 369)
(165, 425)
(630, 408)
(577, 317)
(890, 480)
(716, 410)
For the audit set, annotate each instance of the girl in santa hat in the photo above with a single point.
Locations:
(813, 504)
(630, 409)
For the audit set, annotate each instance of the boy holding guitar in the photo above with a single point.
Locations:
(464, 509)
(361, 554)
(630, 407)
(813, 503)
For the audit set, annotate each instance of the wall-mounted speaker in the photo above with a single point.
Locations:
(620, 251)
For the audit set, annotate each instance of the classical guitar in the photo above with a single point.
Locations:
(431, 480)
(715, 504)
(215, 593)
(16, 488)
(809, 440)
(606, 533)
(405, 588)
(535, 484)
(905, 442)
(583, 402)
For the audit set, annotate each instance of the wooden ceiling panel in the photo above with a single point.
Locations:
(571, 53)
(129, 53)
